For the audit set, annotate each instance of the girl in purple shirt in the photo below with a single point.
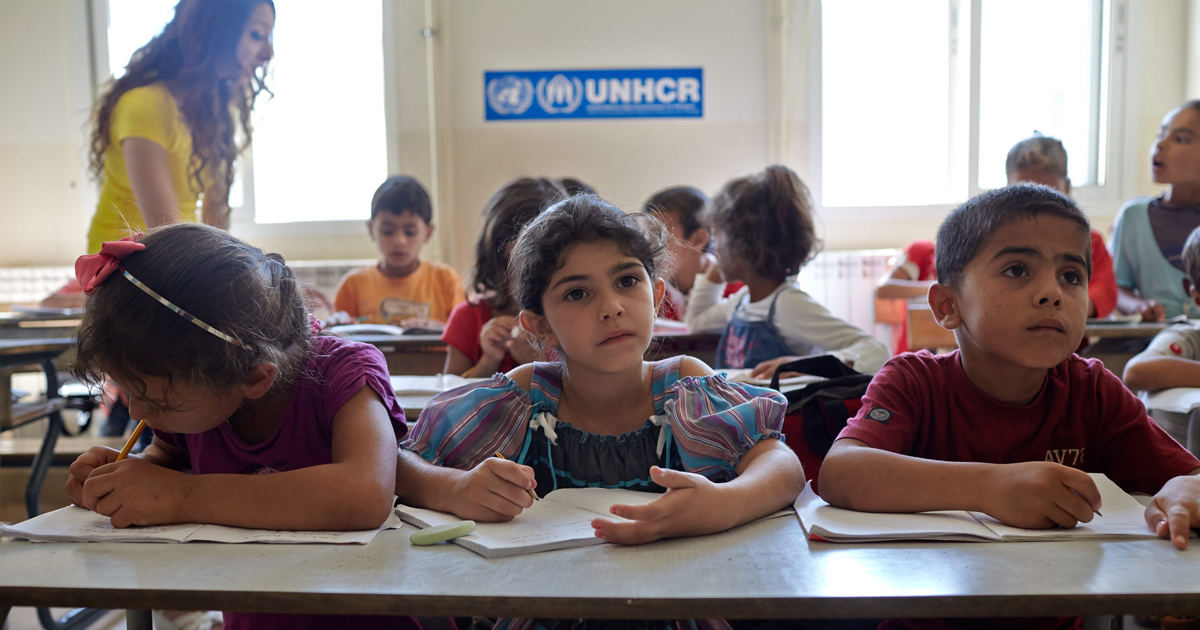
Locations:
(279, 429)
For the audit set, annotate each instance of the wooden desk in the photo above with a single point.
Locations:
(766, 570)
(424, 355)
(925, 333)
(16, 353)
(15, 325)
(418, 355)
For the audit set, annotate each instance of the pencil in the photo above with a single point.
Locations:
(137, 433)
(532, 494)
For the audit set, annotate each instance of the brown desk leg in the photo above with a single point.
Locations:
(138, 620)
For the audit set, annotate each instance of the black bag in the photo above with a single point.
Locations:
(820, 410)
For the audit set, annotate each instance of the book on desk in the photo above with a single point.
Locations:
(560, 520)
(1122, 519)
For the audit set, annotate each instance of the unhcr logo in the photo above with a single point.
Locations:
(616, 93)
(559, 95)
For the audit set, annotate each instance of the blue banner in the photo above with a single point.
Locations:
(638, 93)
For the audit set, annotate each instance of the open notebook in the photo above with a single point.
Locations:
(75, 524)
(821, 521)
(560, 520)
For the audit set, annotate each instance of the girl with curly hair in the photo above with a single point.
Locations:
(764, 233)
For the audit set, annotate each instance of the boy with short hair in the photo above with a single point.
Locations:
(1173, 358)
(401, 288)
(1010, 423)
(679, 209)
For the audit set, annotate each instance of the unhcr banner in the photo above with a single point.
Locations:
(641, 93)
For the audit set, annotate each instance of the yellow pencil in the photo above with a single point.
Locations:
(137, 433)
(532, 494)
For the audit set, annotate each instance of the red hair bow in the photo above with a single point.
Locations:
(93, 269)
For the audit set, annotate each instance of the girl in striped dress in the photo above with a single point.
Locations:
(588, 279)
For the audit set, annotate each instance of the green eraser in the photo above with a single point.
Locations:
(441, 533)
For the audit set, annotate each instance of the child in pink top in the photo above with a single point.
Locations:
(210, 340)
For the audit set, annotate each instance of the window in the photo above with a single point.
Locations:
(321, 144)
(900, 125)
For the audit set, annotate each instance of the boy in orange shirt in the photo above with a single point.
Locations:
(400, 289)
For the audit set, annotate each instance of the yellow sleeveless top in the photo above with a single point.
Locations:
(146, 112)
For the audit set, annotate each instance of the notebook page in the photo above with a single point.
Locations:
(818, 518)
(223, 534)
(76, 524)
(1123, 517)
(599, 500)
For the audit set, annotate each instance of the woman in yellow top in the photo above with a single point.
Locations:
(164, 132)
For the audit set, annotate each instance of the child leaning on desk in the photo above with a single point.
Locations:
(1173, 358)
(1010, 423)
(479, 334)
(210, 339)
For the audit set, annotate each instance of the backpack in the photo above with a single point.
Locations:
(817, 412)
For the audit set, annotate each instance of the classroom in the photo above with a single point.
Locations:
(615, 315)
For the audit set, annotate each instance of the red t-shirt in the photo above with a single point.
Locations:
(1084, 417)
(1102, 284)
(462, 332)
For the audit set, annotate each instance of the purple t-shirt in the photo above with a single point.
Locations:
(335, 371)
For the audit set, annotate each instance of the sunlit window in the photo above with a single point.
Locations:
(885, 103)
(320, 146)
(896, 112)
(1036, 73)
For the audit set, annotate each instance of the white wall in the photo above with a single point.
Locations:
(45, 198)
(751, 117)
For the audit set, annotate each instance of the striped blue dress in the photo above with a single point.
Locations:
(701, 425)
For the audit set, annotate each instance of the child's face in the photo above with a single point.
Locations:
(686, 252)
(599, 308)
(1022, 299)
(1041, 176)
(731, 267)
(180, 407)
(1175, 158)
(399, 237)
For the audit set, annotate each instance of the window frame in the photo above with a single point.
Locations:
(242, 221)
(1110, 44)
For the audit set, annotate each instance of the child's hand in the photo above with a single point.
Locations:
(137, 492)
(766, 369)
(1040, 495)
(1151, 311)
(83, 466)
(1175, 510)
(495, 490)
(692, 506)
(496, 337)
(714, 273)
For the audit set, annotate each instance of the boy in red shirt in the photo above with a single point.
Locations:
(1010, 423)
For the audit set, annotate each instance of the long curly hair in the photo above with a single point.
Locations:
(201, 37)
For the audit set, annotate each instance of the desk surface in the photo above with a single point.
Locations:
(765, 570)
(20, 346)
